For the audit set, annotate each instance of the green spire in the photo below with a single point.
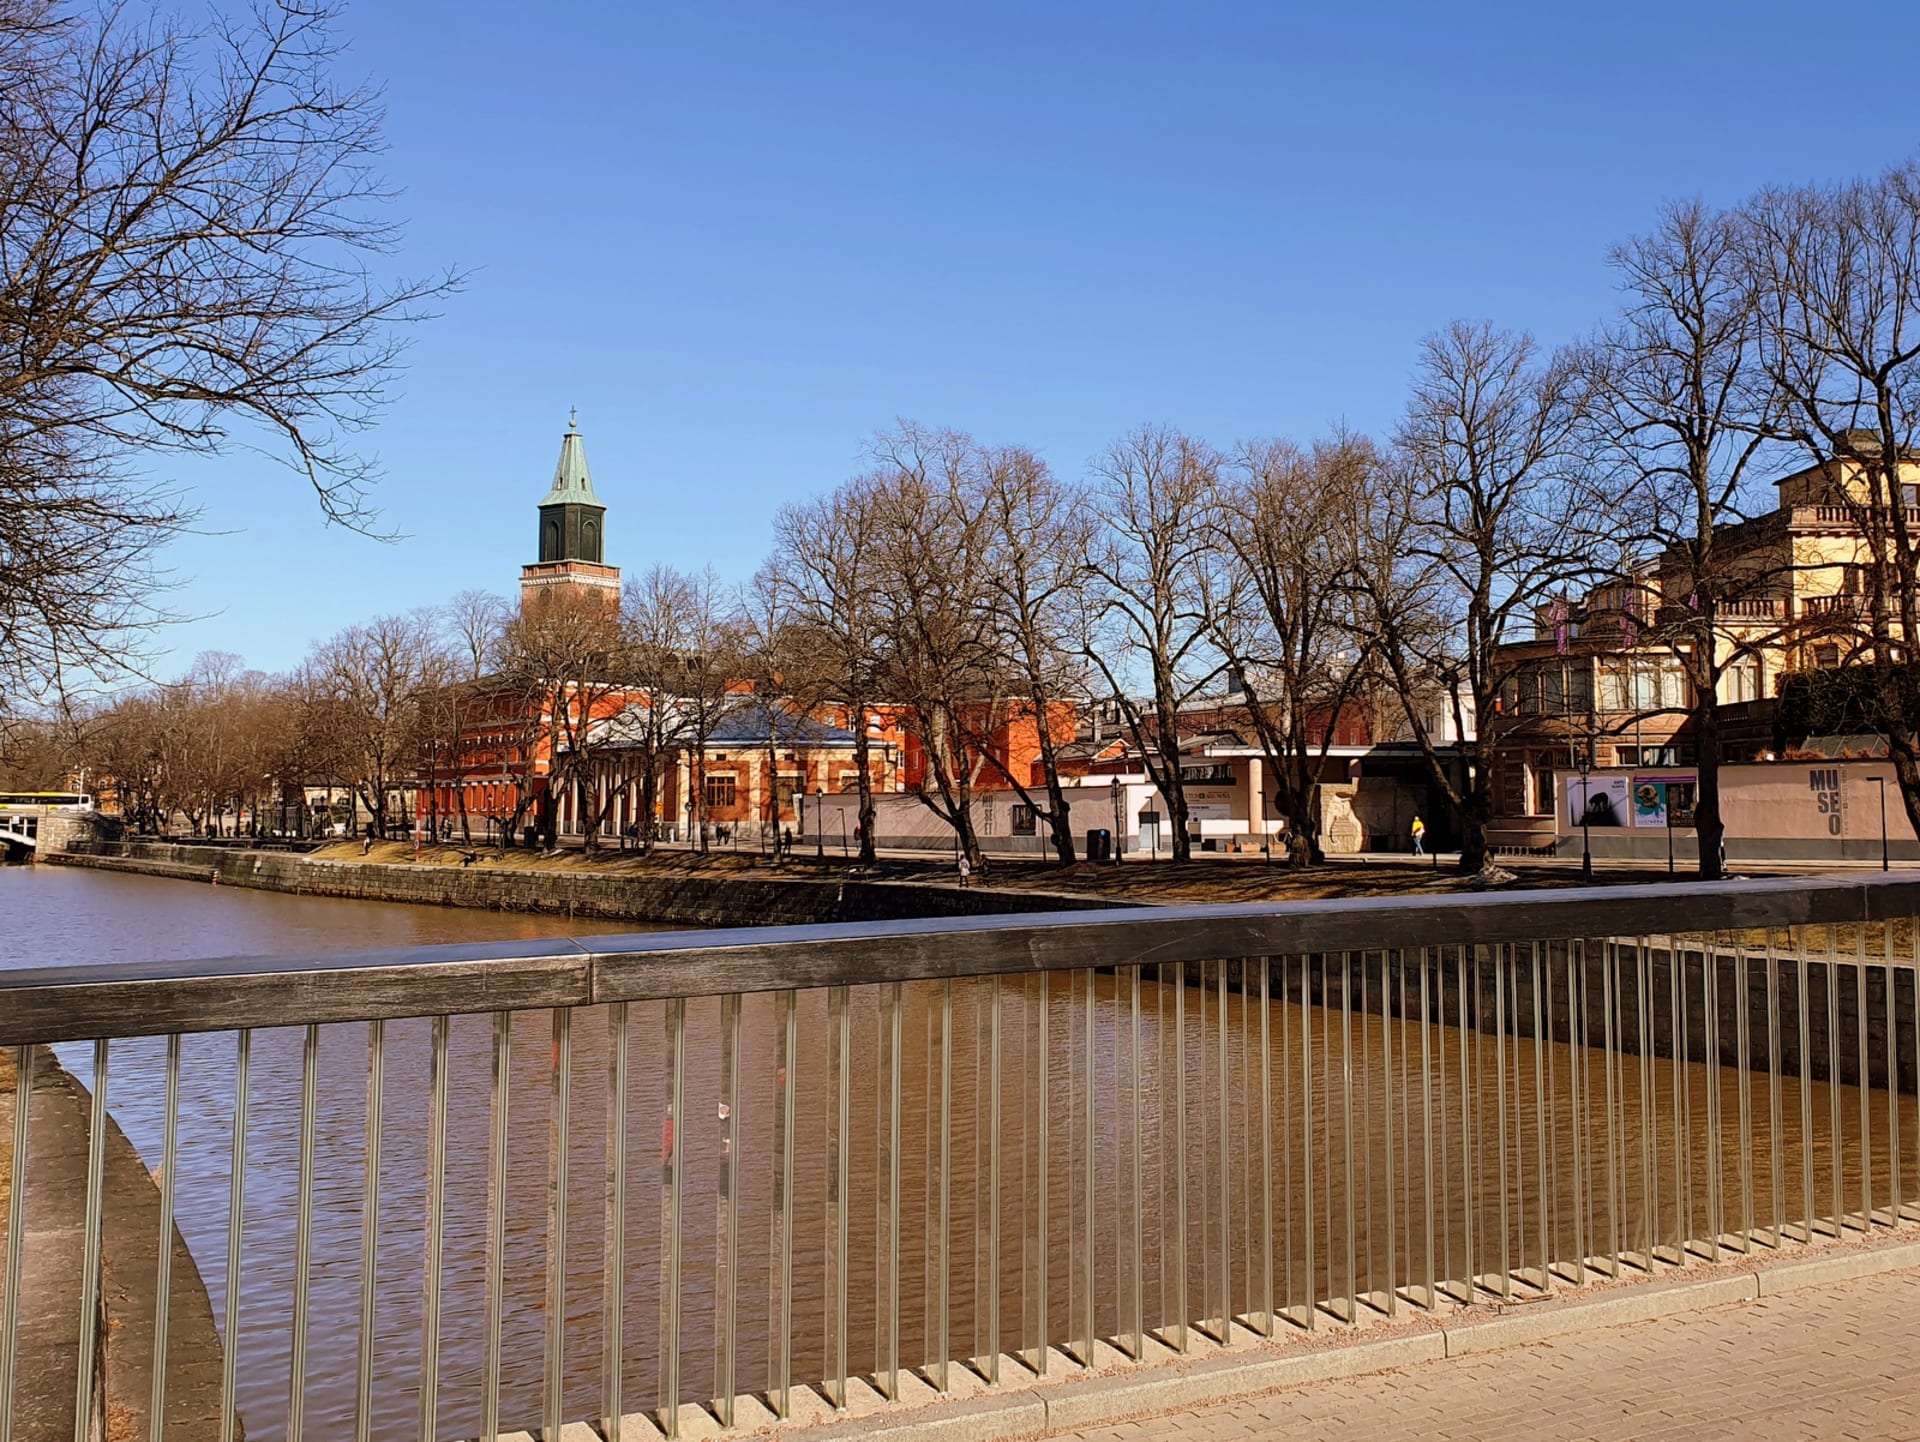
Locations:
(572, 482)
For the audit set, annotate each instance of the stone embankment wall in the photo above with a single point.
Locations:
(682, 900)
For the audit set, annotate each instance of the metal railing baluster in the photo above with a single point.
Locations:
(499, 1099)
(1224, 1180)
(559, 1121)
(1042, 1119)
(23, 1065)
(1710, 1059)
(991, 1351)
(1138, 1310)
(436, 1231)
(1836, 1149)
(236, 1216)
(1863, 1078)
(369, 1232)
(1179, 1310)
(1743, 1062)
(1500, 1104)
(92, 1318)
(1089, 1156)
(613, 1249)
(1803, 1023)
(1543, 1193)
(303, 1238)
(163, 1265)
(1387, 1091)
(1346, 1131)
(1426, 1121)
(942, 1288)
(673, 1183)
(1896, 1198)
(1776, 1148)
(780, 1246)
(1310, 1297)
(1266, 1146)
(889, 1261)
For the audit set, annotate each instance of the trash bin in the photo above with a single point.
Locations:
(1099, 845)
(528, 837)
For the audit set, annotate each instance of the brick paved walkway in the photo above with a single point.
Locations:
(1839, 1361)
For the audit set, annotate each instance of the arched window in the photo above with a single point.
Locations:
(590, 538)
(551, 551)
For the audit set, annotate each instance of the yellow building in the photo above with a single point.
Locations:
(1604, 679)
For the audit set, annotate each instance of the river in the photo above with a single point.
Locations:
(70, 915)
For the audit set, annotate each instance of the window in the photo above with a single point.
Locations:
(786, 786)
(1219, 775)
(720, 791)
(1647, 756)
(1826, 656)
(1740, 681)
(1026, 821)
(1540, 786)
(1642, 683)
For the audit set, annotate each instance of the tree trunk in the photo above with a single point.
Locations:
(1708, 828)
(863, 780)
(1473, 813)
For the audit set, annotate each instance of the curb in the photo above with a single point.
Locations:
(1096, 1401)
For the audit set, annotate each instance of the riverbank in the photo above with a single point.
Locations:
(51, 1270)
(670, 888)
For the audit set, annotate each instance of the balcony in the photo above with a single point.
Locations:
(1833, 607)
(1762, 608)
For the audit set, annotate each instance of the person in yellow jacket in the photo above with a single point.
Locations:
(1419, 837)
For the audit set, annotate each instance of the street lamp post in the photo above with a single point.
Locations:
(1585, 765)
(1119, 795)
(1881, 782)
(820, 824)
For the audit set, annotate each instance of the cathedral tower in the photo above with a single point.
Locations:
(572, 537)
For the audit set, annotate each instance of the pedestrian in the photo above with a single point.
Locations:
(786, 841)
(965, 871)
(1419, 836)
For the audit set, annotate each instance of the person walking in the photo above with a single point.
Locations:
(1419, 836)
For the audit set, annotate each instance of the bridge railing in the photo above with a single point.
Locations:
(459, 1190)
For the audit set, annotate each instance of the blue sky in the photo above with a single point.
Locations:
(742, 236)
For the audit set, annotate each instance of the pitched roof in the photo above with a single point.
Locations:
(751, 725)
(742, 728)
(572, 481)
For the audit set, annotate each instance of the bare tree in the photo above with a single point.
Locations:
(1486, 446)
(826, 556)
(710, 651)
(363, 690)
(1149, 614)
(652, 612)
(1679, 406)
(563, 660)
(1036, 534)
(476, 623)
(1838, 275)
(942, 667)
(1293, 639)
(190, 226)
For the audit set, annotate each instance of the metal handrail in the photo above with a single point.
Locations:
(147, 998)
(1163, 1123)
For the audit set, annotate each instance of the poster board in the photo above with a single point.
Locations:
(1663, 800)
(1595, 801)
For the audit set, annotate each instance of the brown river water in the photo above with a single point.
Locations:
(1347, 1157)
